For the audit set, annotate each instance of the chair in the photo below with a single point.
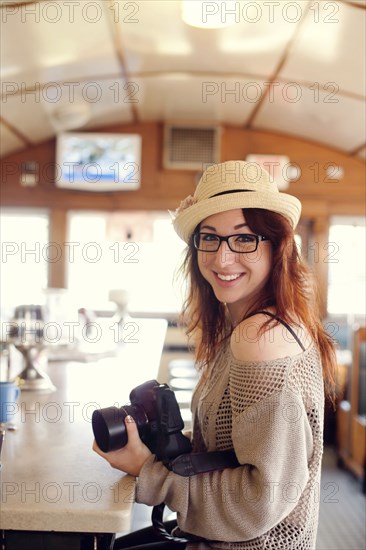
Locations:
(358, 402)
(351, 415)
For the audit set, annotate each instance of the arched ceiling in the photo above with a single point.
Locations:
(290, 67)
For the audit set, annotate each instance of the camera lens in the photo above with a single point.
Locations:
(109, 426)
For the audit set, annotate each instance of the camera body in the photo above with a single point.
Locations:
(157, 416)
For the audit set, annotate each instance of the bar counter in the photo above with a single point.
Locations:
(50, 478)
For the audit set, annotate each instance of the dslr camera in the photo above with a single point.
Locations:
(157, 416)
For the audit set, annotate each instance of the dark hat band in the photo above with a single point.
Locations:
(232, 191)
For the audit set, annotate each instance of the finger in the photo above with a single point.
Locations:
(132, 431)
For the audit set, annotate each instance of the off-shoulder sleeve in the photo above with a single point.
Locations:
(273, 443)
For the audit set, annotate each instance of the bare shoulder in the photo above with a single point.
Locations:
(249, 343)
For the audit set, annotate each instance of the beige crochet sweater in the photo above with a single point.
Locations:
(271, 413)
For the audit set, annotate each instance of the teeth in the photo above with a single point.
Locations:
(228, 277)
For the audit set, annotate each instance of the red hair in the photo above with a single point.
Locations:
(290, 290)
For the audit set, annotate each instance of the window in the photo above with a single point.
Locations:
(24, 258)
(347, 266)
(136, 251)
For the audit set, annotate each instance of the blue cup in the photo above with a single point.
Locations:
(9, 395)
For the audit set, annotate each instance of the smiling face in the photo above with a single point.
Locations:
(236, 279)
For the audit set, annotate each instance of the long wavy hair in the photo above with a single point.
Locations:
(290, 290)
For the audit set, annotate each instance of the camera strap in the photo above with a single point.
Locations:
(191, 464)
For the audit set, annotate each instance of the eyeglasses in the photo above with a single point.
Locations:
(243, 243)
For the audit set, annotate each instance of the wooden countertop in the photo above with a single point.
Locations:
(50, 478)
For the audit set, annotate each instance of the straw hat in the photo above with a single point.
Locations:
(230, 185)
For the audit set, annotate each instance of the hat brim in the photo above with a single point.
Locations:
(281, 203)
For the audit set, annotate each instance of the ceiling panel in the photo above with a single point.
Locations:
(30, 117)
(53, 41)
(68, 65)
(331, 119)
(190, 98)
(156, 39)
(9, 142)
(114, 104)
(92, 99)
(328, 48)
(55, 108)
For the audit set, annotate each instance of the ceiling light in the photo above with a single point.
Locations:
(71, 116)
(209, 15)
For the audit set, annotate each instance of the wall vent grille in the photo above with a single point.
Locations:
(191, 147)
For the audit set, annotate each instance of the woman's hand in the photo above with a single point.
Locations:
(130, 458)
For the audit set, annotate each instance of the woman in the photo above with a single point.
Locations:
(264, 357)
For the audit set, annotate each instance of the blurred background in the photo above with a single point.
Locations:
(111, 110)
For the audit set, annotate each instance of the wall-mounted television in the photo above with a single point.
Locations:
(98, 161)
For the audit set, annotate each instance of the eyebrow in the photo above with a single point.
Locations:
(240, 226)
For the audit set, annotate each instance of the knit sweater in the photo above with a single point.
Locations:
(271, 414)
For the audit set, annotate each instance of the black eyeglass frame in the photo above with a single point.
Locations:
(258, 239)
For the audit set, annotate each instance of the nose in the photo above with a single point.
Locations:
(225, 256)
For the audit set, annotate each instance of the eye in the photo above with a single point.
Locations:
(209, 237)
(245, 238)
